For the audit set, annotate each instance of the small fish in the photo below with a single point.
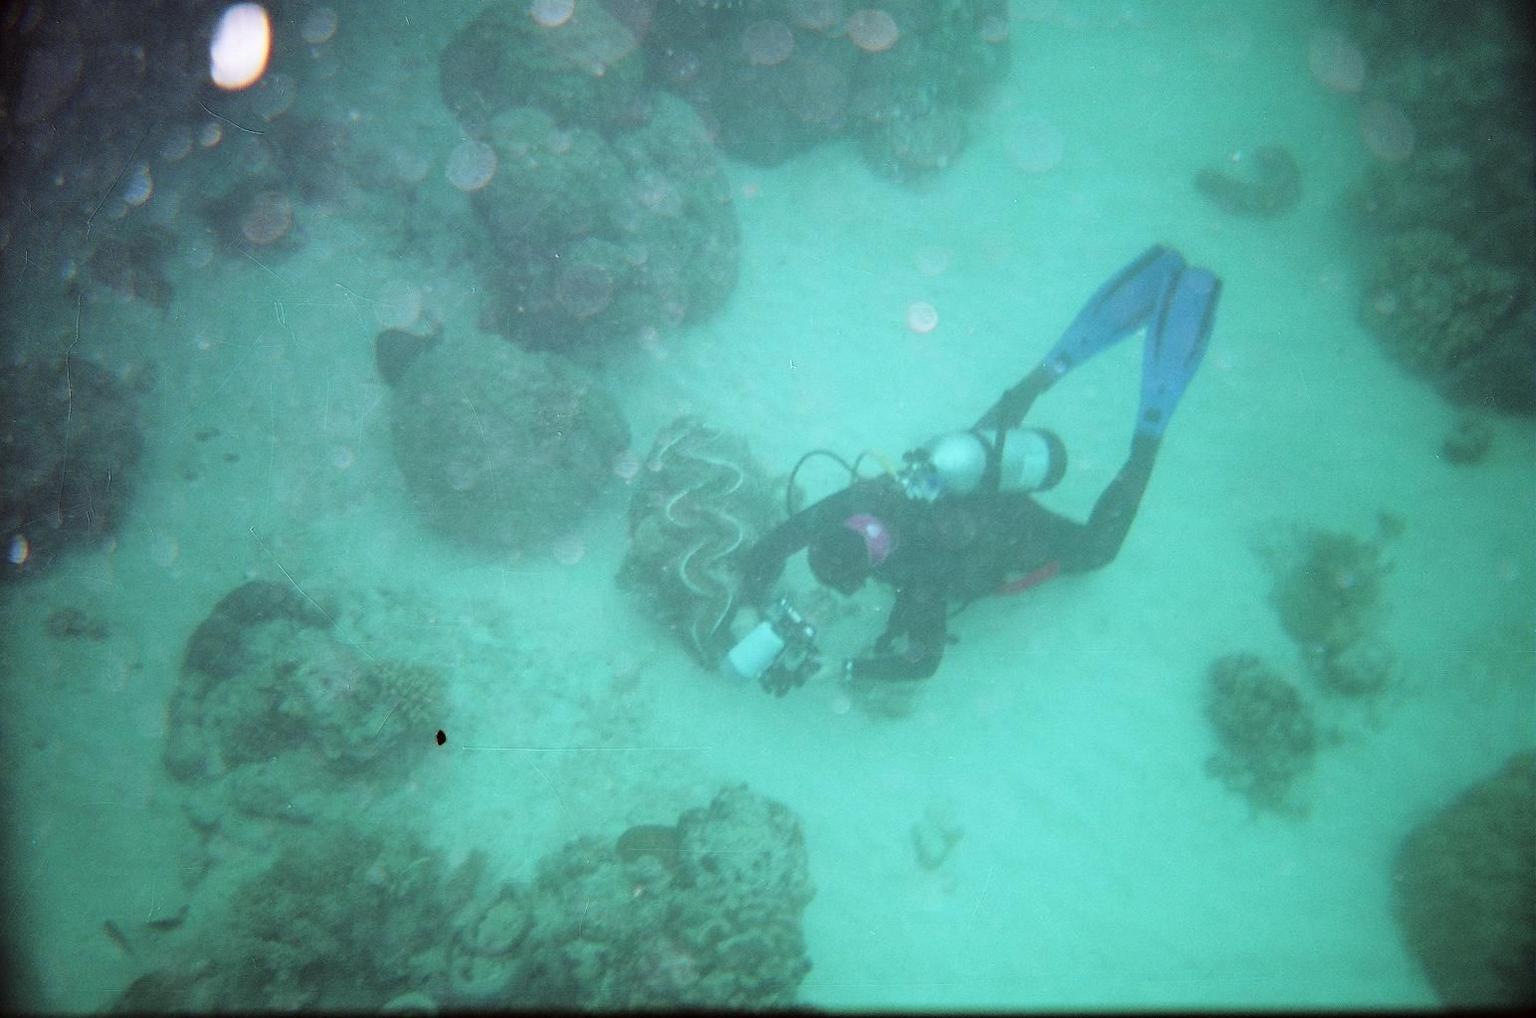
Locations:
(1264, 181)
(168, 922)
(115, 934)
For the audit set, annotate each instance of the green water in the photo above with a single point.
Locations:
(1063, 741)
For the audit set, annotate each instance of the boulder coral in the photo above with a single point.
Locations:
(1449, 230)
(776, 78)
(501, 448)
(1464, 891)
(594, 238)
(69, 453)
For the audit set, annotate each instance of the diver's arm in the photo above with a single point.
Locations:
(919, 615)
(764, 561)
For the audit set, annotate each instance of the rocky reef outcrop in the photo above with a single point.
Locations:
(69, 452)
(1464, 891)
(701, 913)
(502, 448)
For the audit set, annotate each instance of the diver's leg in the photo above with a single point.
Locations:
(1040, 537)
(1121, 306)
(1176, 342)
(1099, 540)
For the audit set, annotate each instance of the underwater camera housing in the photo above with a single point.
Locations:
(780, 651)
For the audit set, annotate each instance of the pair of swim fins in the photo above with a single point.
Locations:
(1177, 304)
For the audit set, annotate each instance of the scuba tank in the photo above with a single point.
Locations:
(958, 463)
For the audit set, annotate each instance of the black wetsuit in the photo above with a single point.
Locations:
(955, 549)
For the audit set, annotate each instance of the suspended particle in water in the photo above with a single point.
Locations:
(568, 550)
(273, 97)
(19, 550)
(933, 261)
(650, 341)
(559, 141)
(268, 219)
(994, 28)
(551, 13)
(319, 26)
(411, 166)
(872, 30)
(1336, 63)
(584, 289)
(653, 190)
(1387, 131)
(471, 165)
(922, 317)
(400, 307)
(1037, 145)
(138, 186)
(767, 43)
(164, 550)
(816, 15)
(177, 144)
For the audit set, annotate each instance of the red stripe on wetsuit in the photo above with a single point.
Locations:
(1033, 579)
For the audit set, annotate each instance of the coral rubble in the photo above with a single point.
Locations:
(358, 919)
(1328, 593)
(708, 916)
(272, 711)
(1265, 730)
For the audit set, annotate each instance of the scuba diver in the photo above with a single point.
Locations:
(959, 520)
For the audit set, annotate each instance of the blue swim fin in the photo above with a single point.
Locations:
(1119, 308)
(1176, 341)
